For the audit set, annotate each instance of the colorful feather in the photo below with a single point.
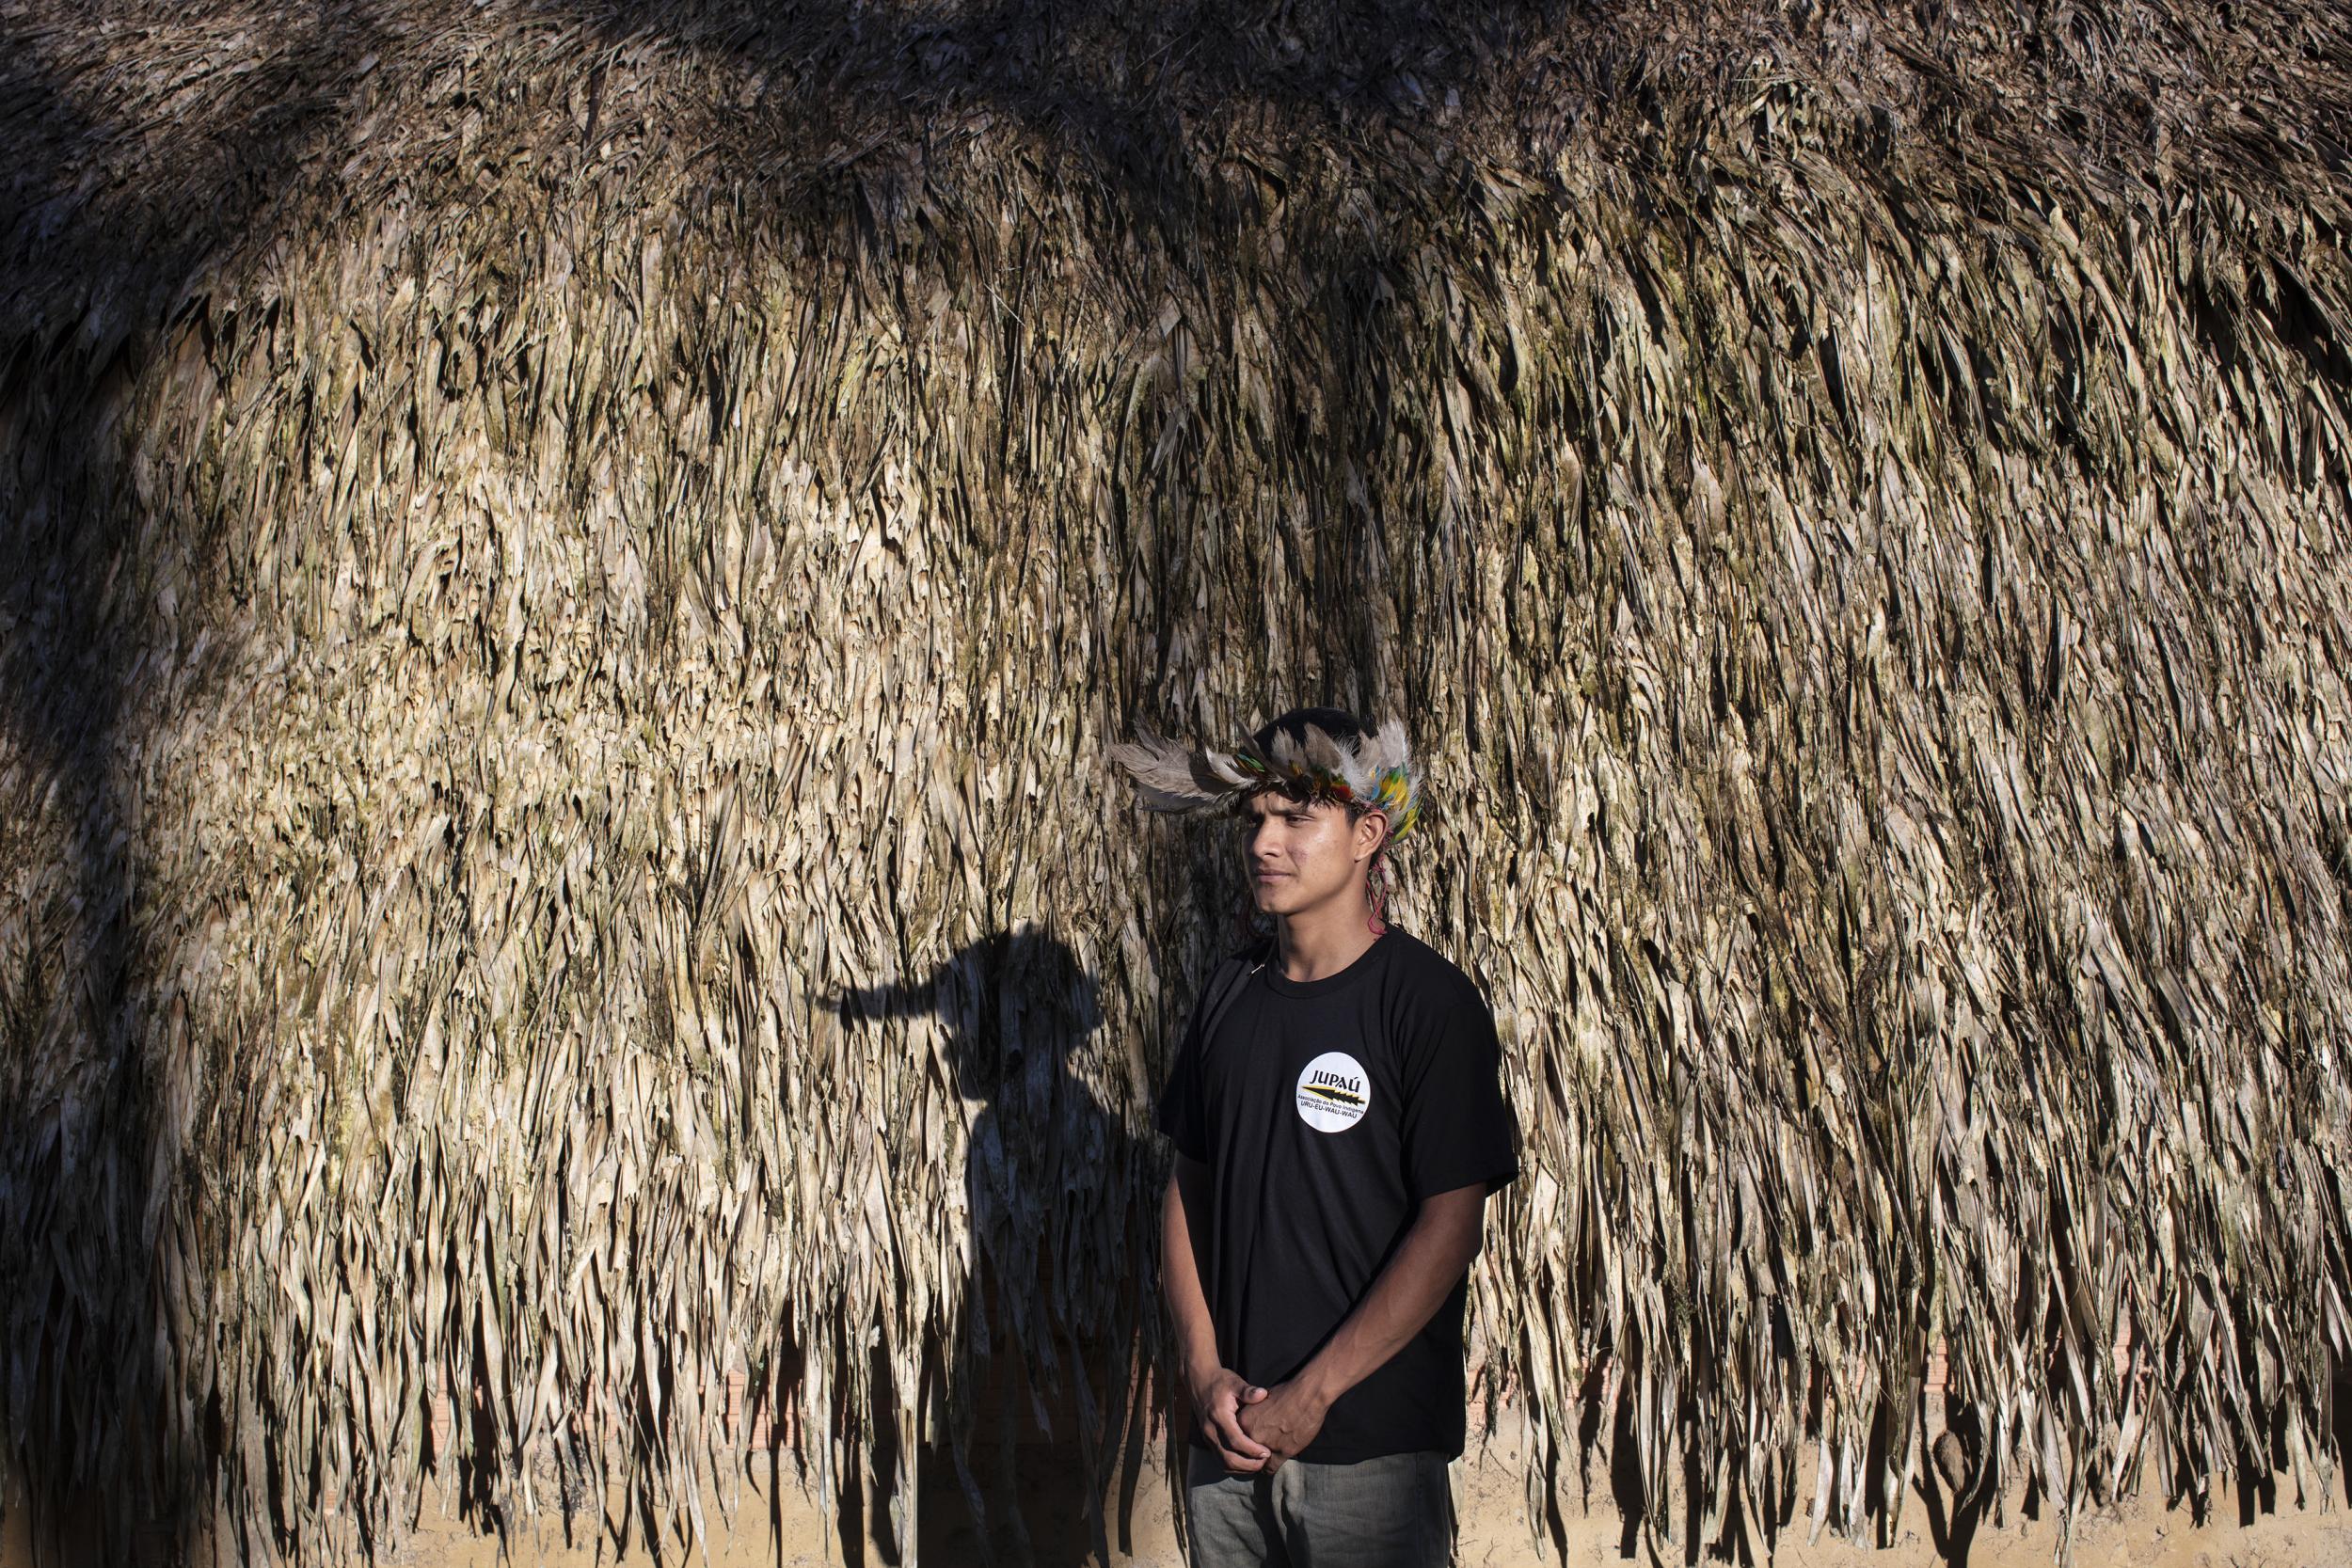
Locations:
(1375, 773)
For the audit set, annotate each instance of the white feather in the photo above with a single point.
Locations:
(1287, 757)
(1224, 767)
(1385, 748)
(1167, 775)
(1326, 755)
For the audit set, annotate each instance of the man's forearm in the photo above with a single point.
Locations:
(1180, 1282)
(1430, 1260)
(1216, 1393)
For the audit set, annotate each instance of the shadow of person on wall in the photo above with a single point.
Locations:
(1045, 1347)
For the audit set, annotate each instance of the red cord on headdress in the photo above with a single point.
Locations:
(1378, 924)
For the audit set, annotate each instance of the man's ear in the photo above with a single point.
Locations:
(1372, 831)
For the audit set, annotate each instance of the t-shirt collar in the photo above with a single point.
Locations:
(1366, 962)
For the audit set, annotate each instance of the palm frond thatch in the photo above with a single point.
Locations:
(551, 549)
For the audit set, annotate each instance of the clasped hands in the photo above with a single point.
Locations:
(1256, 1429)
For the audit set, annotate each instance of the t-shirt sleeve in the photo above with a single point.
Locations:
(1458, 1127)
(1180, 1113)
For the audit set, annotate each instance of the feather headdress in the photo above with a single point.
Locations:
(1321, 751)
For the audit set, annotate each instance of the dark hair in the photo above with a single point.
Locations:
(1340, 724)
(1337, 723)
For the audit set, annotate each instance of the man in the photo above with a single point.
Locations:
(1337, 1123)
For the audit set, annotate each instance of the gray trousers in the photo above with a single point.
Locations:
(1394, 1511)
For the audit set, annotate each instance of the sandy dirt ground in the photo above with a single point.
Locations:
(782, 1527)
(1494, 1534)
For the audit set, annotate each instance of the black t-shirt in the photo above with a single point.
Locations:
(1326, 1111)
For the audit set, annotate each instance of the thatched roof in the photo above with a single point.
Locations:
(568, 570)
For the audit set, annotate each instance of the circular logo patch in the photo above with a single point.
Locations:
(1334, 1092)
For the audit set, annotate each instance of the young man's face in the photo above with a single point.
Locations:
(1303, 854)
